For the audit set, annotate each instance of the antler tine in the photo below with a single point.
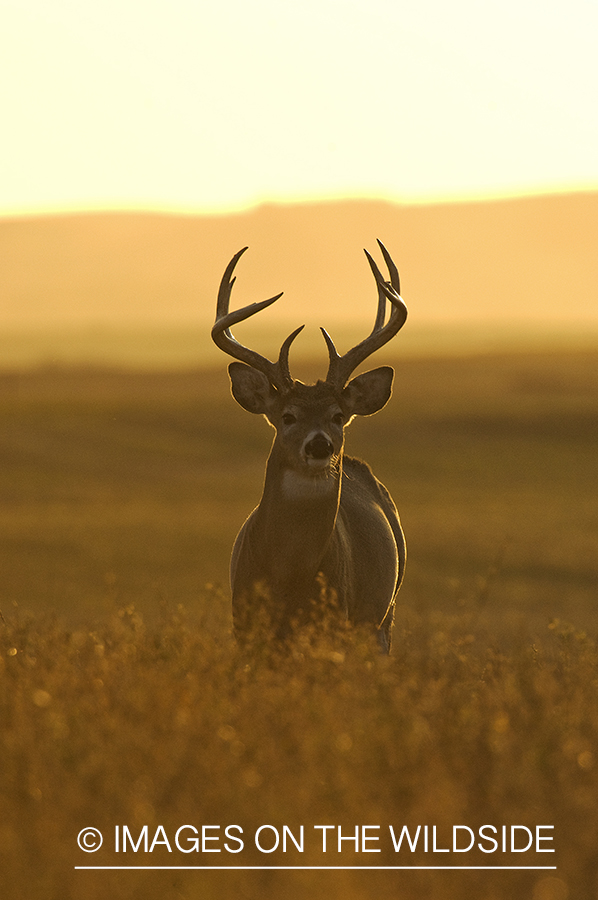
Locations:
(277, 373)
(392, 269)
(381, 313)
(341, 367)
(283, 357)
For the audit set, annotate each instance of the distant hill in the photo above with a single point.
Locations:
(513, 261)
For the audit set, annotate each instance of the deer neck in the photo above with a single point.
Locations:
(298, 511)
(296, 519)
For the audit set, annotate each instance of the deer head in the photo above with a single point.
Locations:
(310, 419)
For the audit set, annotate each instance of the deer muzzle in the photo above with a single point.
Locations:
(317, 450)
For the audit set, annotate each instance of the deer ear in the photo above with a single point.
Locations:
(369, 392)
(250, 388)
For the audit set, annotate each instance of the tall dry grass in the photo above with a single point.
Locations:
(169, 725)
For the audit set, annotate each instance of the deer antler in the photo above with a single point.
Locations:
(341, 367)
(277, 373)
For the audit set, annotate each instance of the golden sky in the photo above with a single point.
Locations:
(189, 105)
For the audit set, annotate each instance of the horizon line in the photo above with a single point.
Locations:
(210, 210)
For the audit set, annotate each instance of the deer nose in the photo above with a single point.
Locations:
(319, 447)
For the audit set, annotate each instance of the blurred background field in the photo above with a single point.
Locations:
(125, 701)
(123, 486)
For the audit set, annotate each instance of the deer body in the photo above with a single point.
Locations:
(323, 517)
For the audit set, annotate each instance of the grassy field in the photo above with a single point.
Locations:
(124, 701)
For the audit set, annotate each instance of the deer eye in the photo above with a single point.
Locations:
(288, 419)
(338, 418)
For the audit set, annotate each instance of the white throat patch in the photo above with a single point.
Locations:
(296, 486)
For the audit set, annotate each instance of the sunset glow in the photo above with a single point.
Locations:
(198, 107)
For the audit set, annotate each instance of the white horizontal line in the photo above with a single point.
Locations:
(315, 868)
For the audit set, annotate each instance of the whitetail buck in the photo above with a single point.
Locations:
(323, 517)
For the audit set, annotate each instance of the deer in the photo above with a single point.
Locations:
(323, 517)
